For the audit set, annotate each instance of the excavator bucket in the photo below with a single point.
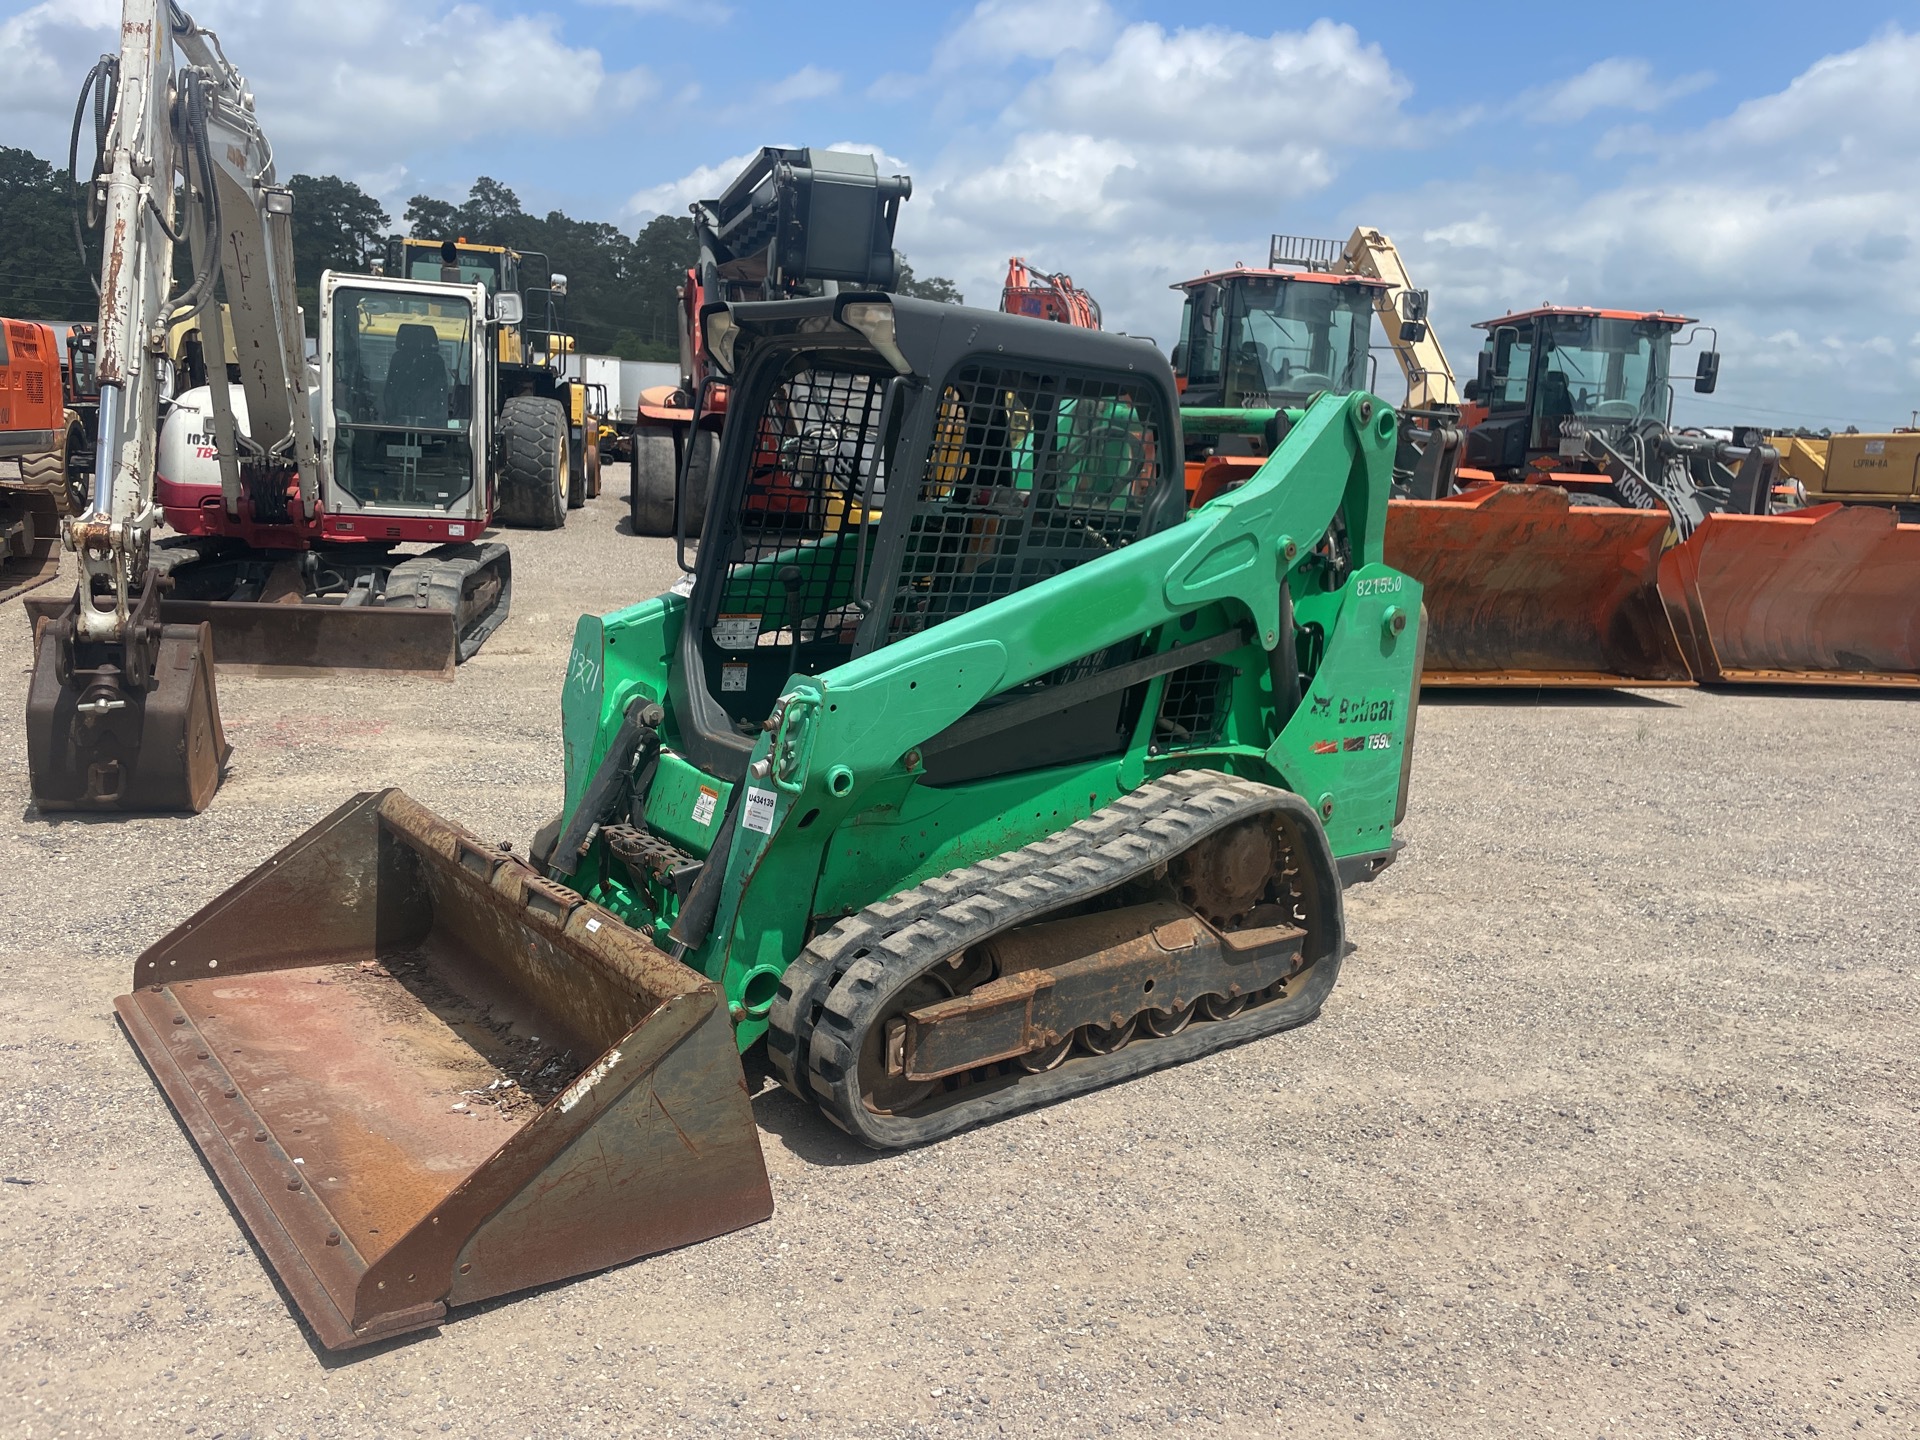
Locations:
(98, 740)
(424, 1075)
(1524, 588)
(1827, 595)
(29, 539)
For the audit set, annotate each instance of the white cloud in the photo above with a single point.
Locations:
(348, 86)
(1616, 83)
(672, 197)
(708, 14)
(45, 50)
(998, 32)
(1125, 162)
(809, 82)
(1787, 224)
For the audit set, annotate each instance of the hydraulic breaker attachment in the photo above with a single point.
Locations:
(1818, 596)
(29, 539)
(129, 725)
(425, 1075)
(1524, 588)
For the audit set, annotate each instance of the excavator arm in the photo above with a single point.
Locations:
(1403, 316)
(1049, 296)
(122, 713)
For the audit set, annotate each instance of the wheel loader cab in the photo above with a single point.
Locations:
(860, 497)
(1274, 337)
(1550, 377)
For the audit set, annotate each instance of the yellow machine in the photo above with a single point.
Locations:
(532, 352)
(1856, 469)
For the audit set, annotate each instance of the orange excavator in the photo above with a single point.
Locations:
(1566, 534)
(1047, 297)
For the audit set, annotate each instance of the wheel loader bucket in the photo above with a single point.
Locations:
(1523, 588)
(1828, 595)
(29, 539)
(425, 1076)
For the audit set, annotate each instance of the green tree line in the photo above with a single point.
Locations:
(620, 287)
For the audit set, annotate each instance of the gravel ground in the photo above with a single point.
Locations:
(1608, 1129)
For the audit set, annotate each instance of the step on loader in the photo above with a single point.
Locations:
(973, 773)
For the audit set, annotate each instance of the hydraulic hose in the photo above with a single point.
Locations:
(1283, 663)
(103, 82)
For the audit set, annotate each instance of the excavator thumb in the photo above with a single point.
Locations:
(1525, 588)
(131, 724)
(1822, 595)
(425, 1075)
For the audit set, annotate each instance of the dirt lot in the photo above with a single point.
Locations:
(1608, 1130)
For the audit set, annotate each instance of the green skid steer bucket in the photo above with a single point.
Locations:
(424, 1075)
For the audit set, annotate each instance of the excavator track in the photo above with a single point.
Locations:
(1213, 865)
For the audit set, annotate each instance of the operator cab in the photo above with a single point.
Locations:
(456, 262)
(1550, 377)
(890, 464)
(1276, 336)
(404, 377)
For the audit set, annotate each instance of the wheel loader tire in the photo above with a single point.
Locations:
(576, 474)
(45, 471)
(650, 484)
(79, 469)
(533, 479)
(51, 470)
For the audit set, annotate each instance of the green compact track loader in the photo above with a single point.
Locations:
(971, 772)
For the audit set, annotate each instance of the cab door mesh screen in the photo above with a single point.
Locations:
(1031, 473)
(803, 535)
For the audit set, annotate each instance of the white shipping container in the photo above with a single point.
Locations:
(603, 370)
(638, 375)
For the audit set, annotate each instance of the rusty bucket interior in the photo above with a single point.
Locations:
(1825, 595)
(1525, 588)
(424, 1075)
(29, 539)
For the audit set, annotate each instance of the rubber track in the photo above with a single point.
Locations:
(821, 966)
(445, 578)
(843, 981)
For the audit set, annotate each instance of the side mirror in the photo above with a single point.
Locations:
(1706, 374)
(558, 284)
(509, 308)
(1206, 300)
(1413, 307)
(1483, 376)
(1180, 358)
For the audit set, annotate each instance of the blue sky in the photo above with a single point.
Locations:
(1754, 165)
